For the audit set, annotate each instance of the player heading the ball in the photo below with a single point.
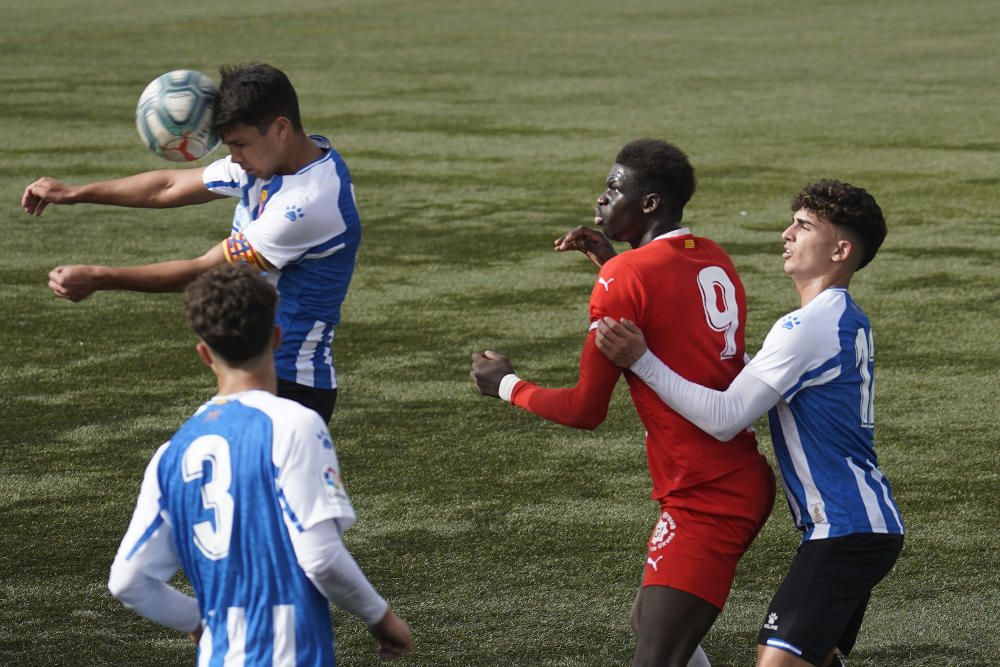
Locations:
(247, 497)
(296, 219)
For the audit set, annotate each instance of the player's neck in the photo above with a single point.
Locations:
(810, 288)
(260, 375)
(658, 228)
(301, 152)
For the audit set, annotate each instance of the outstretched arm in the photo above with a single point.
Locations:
(164, 188)
(582, 406)
(721, 414)
(78, 281)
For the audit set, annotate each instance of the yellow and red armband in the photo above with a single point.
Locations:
(238, 250)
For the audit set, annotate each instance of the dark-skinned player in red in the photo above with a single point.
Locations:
(683, 291)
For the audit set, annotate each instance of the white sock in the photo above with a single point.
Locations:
(699, 659)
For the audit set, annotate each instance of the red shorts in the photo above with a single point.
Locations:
(703, 532)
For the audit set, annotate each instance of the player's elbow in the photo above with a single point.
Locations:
(121, 583)
(722, 431)
(590, 419)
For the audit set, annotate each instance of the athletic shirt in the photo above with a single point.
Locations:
(230, 485)
(307, 226)
(821, 359)
(685, 295)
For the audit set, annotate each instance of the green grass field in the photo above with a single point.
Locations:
(477, 133)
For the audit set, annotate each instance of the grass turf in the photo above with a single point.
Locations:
(477, 133)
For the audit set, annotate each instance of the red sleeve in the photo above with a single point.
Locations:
(617, 293)
(582, 406)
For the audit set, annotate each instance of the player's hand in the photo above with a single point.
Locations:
(393, 635)
(195, 636)
(488, 368)
(621, 342)
(589, 241)
(46, 191)
(75, 281)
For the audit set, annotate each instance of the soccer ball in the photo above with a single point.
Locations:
(174, 115)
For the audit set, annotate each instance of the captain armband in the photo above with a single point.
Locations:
(238, 250)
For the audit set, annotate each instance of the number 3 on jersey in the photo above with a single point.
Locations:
(722, 312)
(212, 542)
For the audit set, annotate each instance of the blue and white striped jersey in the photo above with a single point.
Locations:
(306, 225)
(821, 359)
(219, 499)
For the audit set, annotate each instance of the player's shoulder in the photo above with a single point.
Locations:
(812, 328)
(282, 411)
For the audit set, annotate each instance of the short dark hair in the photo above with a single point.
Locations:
(846, 206)
(661, 168)
(231, 308)
(254, 94)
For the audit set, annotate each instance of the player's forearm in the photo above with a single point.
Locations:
(582, 406)
(721, 414)
(164, 188)
(329, 565)
(153, 599)
(569, 407)
(172, 276)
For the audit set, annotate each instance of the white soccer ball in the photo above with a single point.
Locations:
(174, 115)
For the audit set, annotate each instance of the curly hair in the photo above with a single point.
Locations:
(661, 168)
(846, 206)
(231, 308)
(254, 95)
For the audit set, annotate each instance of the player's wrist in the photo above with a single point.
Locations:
(507, 384)
(643, 363)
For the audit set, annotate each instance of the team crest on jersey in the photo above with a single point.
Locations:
(663, 534)
(331, 483)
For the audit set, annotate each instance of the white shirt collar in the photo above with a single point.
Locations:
(682, 231)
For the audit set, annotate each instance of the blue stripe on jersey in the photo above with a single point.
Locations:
(812, 375)
(222, 184)
(289, 512)
(146, 536)
(245, 196)
(266, 193)
(246, 585)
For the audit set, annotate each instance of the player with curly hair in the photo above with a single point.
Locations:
(247, 497)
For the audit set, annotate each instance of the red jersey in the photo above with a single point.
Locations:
(685, 295)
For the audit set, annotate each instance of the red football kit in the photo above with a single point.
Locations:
(685, 295)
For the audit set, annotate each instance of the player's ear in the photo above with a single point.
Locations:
(276, 337)
(843, 251)
(282, 128)
(205, 353)
(651, 202)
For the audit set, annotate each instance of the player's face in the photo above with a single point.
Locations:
(619, 208)
(811, 245)
(258, 153)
